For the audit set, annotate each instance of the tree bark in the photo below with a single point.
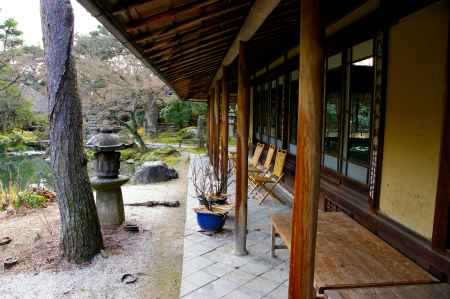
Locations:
(134, 130)
(80, 235)
(151, 116)
(201, 123)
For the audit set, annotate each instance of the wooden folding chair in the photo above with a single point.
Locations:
(262, 182)
(256, 155)
(255, 171)
(267, 162)
(232, 156)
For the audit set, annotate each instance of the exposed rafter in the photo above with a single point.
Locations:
(185, 69)
(171, 15)
(196, 62)
(195, 22)
(260, 10)
(193, 58)
(210, 39)
(193, 39)
(209, 45)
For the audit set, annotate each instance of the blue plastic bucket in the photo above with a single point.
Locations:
(210, 222)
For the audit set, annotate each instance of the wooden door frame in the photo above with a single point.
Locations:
(440, 239)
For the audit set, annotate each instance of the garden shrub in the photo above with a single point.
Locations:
(5, 141)
(16, 140)
(31, 200)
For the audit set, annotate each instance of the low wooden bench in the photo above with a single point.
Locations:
(420, 291)
(281, 227)
(350, 256)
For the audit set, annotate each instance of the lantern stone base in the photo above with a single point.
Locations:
(109, 200)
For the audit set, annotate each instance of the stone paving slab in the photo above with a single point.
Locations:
(211, 270)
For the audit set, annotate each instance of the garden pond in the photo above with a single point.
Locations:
(32, 168)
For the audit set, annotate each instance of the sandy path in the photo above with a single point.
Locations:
(154, 255)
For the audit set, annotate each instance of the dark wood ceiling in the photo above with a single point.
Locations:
(185, 41)
(278, 34)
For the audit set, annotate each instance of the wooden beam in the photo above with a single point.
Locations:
(307, 176)
(194, 73)
(195, 66)
(229, 22)
(164, 34)
(190, 47)
(161, 36)
(355, 15)
(442, 208)
(180, 58)
(180, 45)
(187, 75)
(176, 54)
(224, 127)
(194, 60)
(170, 64)
(193, 23)
(192, 56)
(170, 15)
(124, 8)
(243, 99)
(193, 36)
(260, 10)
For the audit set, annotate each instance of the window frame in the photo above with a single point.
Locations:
(269, 96)
(340, 175)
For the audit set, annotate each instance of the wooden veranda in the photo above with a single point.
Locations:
(211, 50)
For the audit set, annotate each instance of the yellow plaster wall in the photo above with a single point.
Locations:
(414, 111)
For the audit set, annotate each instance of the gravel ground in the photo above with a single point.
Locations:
(154, 255)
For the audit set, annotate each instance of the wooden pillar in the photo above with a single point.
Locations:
(216, 127)
(224, 127)
(243, 99)
(286, 102)
(209, 127)
(307, 177)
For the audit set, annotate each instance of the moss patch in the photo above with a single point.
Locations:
(131, 153)
(168, 154)
(183, 136)
(168, 137)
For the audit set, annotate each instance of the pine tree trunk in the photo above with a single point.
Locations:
(134, 130)
(151, 116)
(80, 235)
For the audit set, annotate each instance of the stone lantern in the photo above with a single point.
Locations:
(107, 181)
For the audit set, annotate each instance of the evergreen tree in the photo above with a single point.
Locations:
(10, 36)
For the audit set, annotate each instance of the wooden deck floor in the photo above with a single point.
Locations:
(424, 291)
(348, 255)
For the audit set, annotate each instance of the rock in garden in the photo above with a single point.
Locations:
(154, 172)
(10, 211)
